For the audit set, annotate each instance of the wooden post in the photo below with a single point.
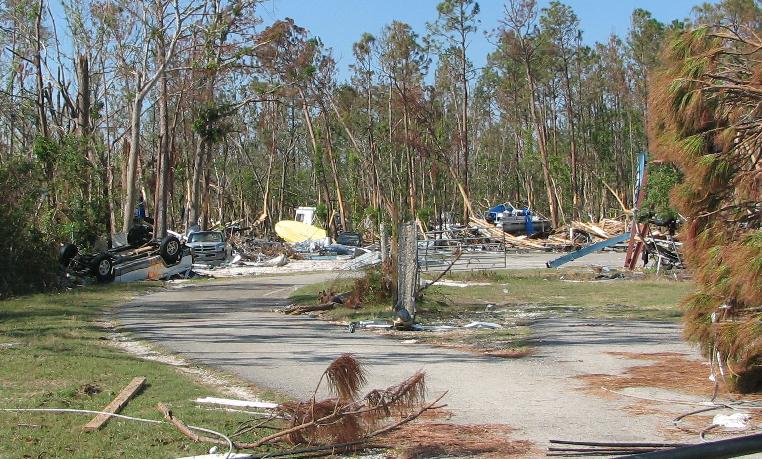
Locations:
(407, 273)
(116, 405)
(384, 243)
(638, 231)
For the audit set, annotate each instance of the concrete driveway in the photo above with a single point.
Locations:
(228, 324)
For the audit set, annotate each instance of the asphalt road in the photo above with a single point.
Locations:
(228, 324)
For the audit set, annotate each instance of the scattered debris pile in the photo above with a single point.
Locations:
(581, 233)
(567, 237)
(344, 422)
(257, 250)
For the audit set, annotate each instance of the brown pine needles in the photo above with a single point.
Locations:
(705, 117)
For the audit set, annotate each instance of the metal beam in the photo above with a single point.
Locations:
(587, 250)
(635, 246)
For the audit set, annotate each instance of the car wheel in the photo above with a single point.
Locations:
(170, 249)
(66, 254)
(103, 268)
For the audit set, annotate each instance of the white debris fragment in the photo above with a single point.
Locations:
(735, 421)
(275, 262)
(491, 325)
(363, 261)
(448, 283)
(237, 403)
(220, 456)
(293, 266)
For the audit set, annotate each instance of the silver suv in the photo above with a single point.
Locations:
(208, 246)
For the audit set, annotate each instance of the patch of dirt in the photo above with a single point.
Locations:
(476, 341)
(510, 353)
(668, 370)
(90, 389)
(671, 371)
(422, 440)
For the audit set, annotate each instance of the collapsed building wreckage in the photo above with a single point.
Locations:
(222, 251)
(231, 250)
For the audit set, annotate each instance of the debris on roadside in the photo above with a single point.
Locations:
(302, 246)
(140, 259)
(451, 283)
(236, 403)
(363, 261)
(295, 310)
(489, 325)
(117, 404)
(735, 421)
(344, 422)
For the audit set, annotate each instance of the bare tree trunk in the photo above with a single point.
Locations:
(334, 172)
(132, 162)
(573, 144)
(164, 163)
(541, 140)
(41, 117)
(192, 213)
(464, 135)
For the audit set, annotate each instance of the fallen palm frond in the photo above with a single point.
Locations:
(344, 422)
(345, 377)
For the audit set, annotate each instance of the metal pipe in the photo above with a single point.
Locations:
(720, 449)
(619, 444)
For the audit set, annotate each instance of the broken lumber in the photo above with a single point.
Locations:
(116, 405)
(496, 233)
(296, 310)
(590, 229)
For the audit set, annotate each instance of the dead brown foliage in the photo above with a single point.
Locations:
(510, 353)
(326, 296)
(345, 376)
(440, 439)
(348, 417)
(668, 370)
(704, 118)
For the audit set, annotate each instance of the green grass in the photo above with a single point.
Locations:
(571, 293)
(526, 294)
(517, 298)
(56, 351)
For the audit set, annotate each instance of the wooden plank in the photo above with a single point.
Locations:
(117, 404)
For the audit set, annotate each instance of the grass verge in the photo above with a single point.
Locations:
(54, 356)
(514, 299)
(570, 293)
(535, 293)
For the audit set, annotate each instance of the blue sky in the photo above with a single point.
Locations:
(339, 23)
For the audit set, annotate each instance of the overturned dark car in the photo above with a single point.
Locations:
(143, 257)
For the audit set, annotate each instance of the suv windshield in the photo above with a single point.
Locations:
(205, 237)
